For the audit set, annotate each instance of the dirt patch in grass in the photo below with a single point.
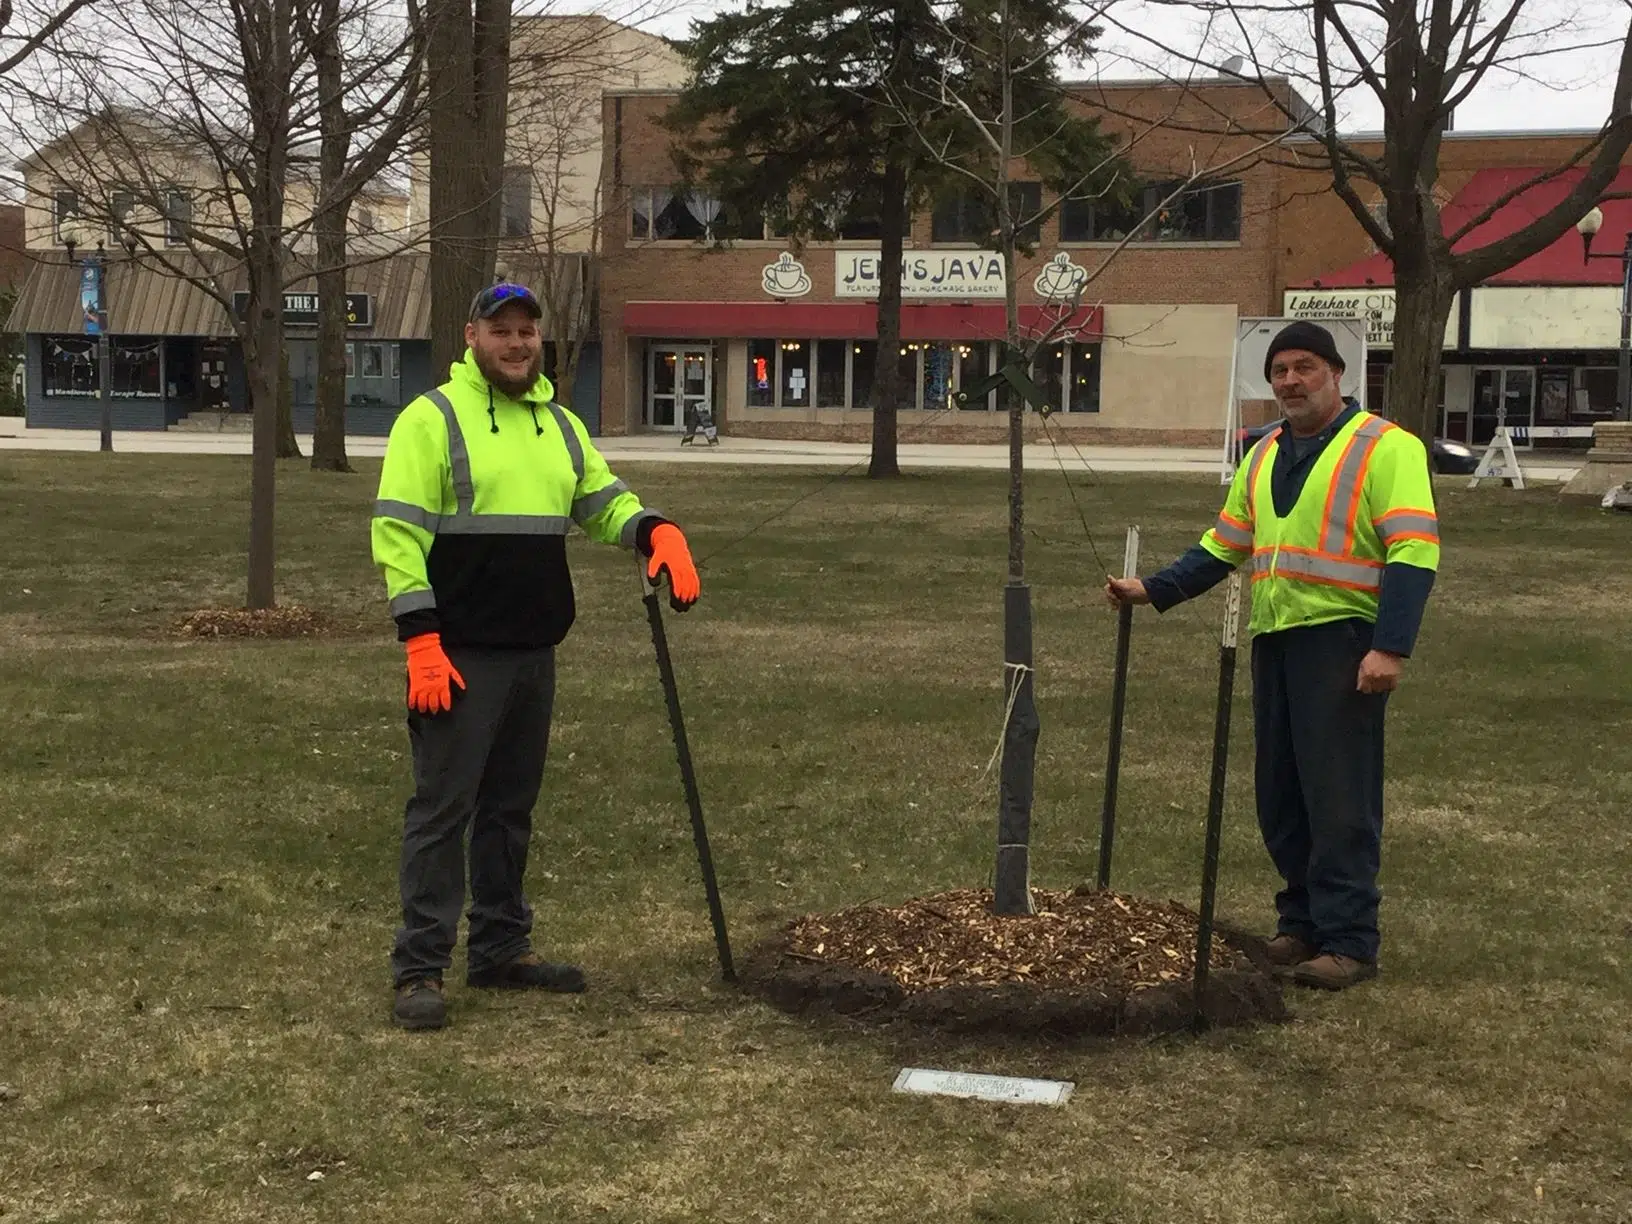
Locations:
(283, 621)
(1088, 963)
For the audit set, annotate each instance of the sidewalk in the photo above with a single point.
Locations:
(762, 452)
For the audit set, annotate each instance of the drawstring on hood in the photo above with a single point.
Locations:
(542, 389)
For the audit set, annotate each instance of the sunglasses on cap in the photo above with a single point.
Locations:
(494, 298)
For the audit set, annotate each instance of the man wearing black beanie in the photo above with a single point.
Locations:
(1335, 512)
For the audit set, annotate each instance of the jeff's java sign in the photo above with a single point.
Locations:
(924, 274)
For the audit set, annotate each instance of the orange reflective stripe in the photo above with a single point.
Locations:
(1407, 524)
(1259, 454)
(1232, 533)
(1310, 565)
(1348, 482)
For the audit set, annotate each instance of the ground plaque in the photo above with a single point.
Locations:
(924, 1082)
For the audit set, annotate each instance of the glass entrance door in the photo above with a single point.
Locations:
(1504, 396)
(680, 379)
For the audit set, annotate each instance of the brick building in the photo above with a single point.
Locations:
(777, 339)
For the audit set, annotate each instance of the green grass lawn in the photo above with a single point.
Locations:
(199, 843)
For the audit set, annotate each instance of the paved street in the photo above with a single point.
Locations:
(666, 448)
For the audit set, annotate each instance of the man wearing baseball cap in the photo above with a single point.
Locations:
(1335, 510)
(483, 477)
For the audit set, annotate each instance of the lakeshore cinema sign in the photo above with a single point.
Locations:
(924, 274)
(1375, 306)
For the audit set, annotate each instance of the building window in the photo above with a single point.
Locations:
(969, 217)
(830, 373)
(907, 372)
(64, 204)
(1084, 396)
(121, 203)
(1048, 372)
(794, 384)
(851, 218)
(373, 361)
(657, 214)
(351, 361)
(69, 366)
(1209, 213)
(762, 373)
(365, 221)
(178, 216)
(972, 368)
(135, 366)
(396, 360)
(939, 359)
(863, 359)
(516, 206)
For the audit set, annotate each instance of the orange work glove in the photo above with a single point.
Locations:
(669, 552)
(431, 676)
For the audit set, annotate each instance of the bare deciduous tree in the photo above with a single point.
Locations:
(1416, 61)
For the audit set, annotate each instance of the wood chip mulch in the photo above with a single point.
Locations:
(1084, 938)
(284, 621)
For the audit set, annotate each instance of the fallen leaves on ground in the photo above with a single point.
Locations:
(284, 621)
(1076, 939)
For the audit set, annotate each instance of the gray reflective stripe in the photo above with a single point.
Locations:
(569, 435)
(1334, 534)
(1232, 535)
(413, 601)
(1318, 569)
(631, 529)
(1392, 526)
(506, 524)
(591, 504)
(407, 512)
(464, 490)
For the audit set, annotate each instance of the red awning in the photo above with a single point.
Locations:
(1557, 264)
(847, 320)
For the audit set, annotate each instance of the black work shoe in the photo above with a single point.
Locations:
(530, 972)
(420, 1004)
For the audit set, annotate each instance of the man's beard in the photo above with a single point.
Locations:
(505, 385)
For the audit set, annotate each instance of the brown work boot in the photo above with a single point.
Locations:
(1334, 971)
(420, 1004)
(529, 971)
(1285, 951)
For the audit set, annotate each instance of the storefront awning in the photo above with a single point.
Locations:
(1487, 191)
(849, 320)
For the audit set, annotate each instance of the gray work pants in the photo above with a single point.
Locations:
(477, 767)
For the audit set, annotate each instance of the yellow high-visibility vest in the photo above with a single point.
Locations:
(1368, 501)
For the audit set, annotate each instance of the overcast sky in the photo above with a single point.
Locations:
(1573, 92)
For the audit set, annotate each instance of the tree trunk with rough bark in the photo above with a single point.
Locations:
(887, 389)
(1422, 306)
(468, 73)
(329, 425)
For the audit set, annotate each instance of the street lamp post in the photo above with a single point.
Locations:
(94, 306)
(1588, 228)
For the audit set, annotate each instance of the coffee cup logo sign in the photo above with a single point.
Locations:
(786, 278)
(1060, 280)
(1375, 306)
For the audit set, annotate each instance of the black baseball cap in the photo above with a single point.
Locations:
(495, 298)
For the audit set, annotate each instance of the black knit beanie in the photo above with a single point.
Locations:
(1311, 337)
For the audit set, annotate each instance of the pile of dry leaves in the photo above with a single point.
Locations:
(1085, 938)
(285, 621)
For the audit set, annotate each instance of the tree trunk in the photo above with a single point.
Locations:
(329, 426)
(288, 445)
(1012, 877)
(892, 232)
(263, 348)
(1422, 306)
(468, 71)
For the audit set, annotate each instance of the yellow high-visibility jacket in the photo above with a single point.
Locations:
(1368, 501)
(476, 497)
